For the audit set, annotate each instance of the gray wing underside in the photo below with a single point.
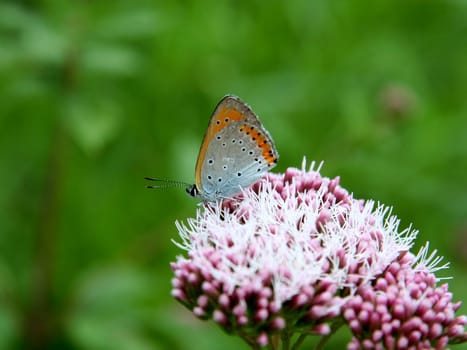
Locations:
(233, 161)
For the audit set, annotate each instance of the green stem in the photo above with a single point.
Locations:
(299, 341)
(251, 342)
(274, 341)
(325, 338)
(285, 341)
(39, 317)
(322, 342)
(42, 323)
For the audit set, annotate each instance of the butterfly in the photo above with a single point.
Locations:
(235, 153)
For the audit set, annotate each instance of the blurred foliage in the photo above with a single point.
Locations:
(97, 95)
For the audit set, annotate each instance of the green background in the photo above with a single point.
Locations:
(96, 95)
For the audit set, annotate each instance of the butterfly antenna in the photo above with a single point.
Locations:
(165, 183)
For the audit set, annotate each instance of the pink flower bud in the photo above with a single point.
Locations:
(262, 339)
(278, 323)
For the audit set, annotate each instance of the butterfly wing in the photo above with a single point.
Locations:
(230, 108)
(236, 151)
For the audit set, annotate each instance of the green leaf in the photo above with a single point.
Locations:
(93, 125)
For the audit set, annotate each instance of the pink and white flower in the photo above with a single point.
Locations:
(297, 254)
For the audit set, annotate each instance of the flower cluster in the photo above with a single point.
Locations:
(297, 254)
(404, 309)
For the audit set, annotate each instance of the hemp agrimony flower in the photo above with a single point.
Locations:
(296, 255)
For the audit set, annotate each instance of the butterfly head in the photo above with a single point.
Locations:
(193, 191)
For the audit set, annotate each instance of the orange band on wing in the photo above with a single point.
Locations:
(261, 141)
(225, 116)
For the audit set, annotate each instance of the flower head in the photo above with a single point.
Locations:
(296, 253)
